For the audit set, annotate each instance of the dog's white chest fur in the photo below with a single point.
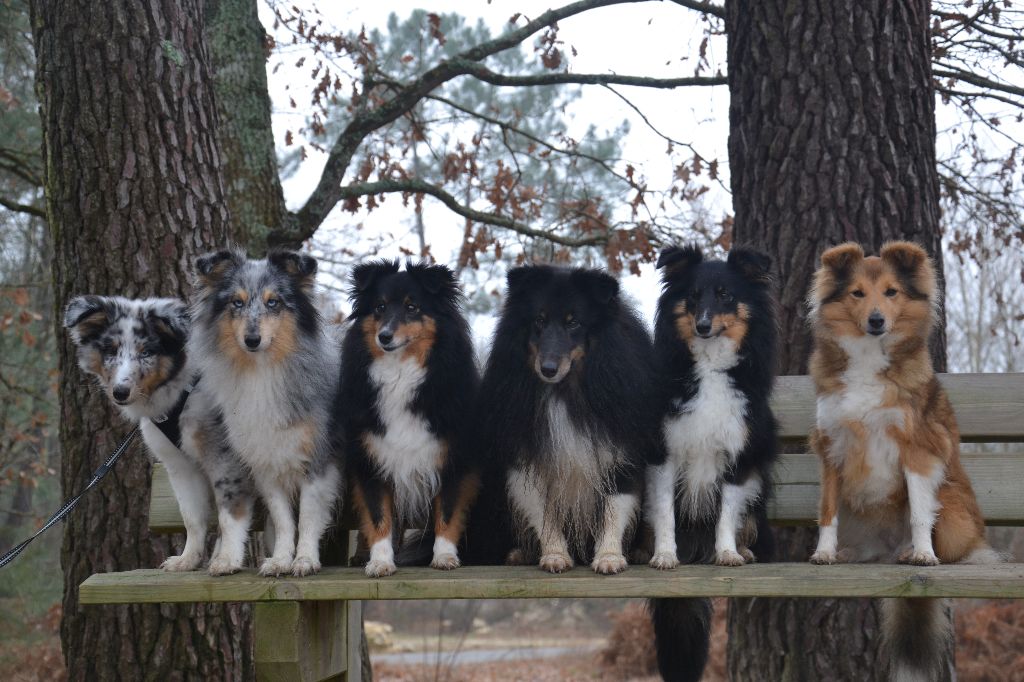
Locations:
(709, 433)
(407, 453)
(860, 403)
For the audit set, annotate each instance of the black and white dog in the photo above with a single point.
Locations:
(136, 350)
(271, 366)
(408, 381)
(715, 338)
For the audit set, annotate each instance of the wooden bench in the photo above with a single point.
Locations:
(308, 628)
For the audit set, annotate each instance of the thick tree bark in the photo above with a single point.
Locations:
(832, 138)
(134, 192)
(238, 55)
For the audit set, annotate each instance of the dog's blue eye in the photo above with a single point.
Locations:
(272, 303)
(890, 292)
(237, 303)
(857, 294)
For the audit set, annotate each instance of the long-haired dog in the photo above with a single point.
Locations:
(271, 366)
(715, 338)
(408, 381)
(565, 411)
(136, 350)
(892, 483)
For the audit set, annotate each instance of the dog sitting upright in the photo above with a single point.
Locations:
(408, 381)
(892, 483)
(272, 368)
(136, 349)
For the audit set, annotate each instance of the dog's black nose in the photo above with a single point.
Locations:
(549, 368)
(385, 338)
(252, 341)
(704, 327)
(876, 323)
(121, 393)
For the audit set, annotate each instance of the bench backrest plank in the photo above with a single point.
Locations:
(990, 408)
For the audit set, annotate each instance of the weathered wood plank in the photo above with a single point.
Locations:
(996, 479)
(517, 582)
(300, 641)
(989, 407)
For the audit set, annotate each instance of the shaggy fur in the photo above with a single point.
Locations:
(887, 436)
(565, 414)
(136, 350)
(408, 381)
(272, 368)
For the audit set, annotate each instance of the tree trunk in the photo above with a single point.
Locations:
(134, 192)
(832, 138)
(238, 55)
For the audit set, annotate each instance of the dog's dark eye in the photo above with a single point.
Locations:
(379, 309)
(723, 295)
(572, 323)
(857, 293)
(272, 303)
(237, 302)
(890, 292)
(540, 321)
(411, 308)
(145, 353)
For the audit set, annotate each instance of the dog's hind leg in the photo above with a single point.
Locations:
(316, 507)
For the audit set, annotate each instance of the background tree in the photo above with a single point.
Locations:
(134, 192)
(832, 139)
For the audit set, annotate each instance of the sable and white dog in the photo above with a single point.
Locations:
(136, 349)
(272, 368)
(892, 483)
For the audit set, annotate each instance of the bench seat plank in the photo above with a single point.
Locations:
(528, 582)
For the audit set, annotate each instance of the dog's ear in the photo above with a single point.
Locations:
(366, 273)
(675, 260)
(520, 276)
(213, 267)
(87, 317)
(754, 265)
(300, 267)
(842, 258)
(912, 266)
(434, 278)
(600, 286)
(172, 323)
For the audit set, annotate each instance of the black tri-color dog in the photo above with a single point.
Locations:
(408, 381)
(566, 412)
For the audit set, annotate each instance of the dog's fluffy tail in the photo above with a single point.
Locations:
(682, 632)
(918, 632)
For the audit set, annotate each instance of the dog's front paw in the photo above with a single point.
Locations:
(556, 563)
(919, 558)
(223, 566)
(175, 564)
(609, 564)
(378, 568)
(445, 561)
(275, 566)
(727, 557)
(824, 557)
(664, 561)
(304, 565)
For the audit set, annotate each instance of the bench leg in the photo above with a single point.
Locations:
(307, 641)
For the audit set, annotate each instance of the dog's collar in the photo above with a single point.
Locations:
(169, 422)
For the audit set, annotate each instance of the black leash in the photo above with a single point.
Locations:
(168, 425)
(70, 504)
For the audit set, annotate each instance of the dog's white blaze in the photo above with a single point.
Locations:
(735, 501)
(708, 436)
(922, 496)
(860, 401)
(408, 453)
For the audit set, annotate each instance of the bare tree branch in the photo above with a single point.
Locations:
(481, 72)
(975, 79)
(415, 186)
(705, 7)
(22, 208)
